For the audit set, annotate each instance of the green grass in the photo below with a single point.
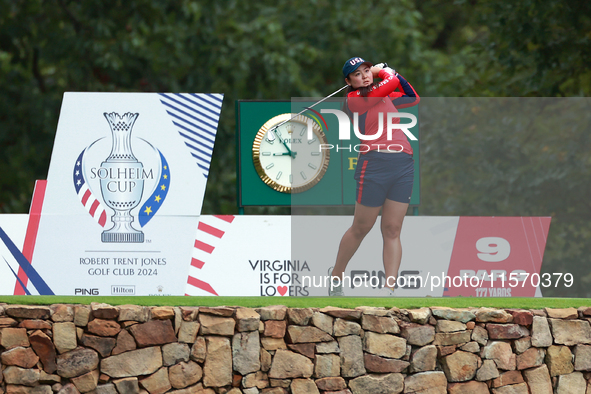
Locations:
(307, 302)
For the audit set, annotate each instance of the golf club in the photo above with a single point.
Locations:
(384, 65)
(311, 106)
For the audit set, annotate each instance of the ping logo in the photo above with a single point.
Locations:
(81, 291)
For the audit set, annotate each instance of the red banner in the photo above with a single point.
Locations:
(497, 257)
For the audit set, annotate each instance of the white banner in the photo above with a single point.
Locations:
(293, 256)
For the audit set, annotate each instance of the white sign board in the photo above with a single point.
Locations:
(294, 256)
(124, 192)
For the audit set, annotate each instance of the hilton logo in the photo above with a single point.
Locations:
(123, 290)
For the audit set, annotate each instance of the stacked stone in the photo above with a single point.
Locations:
(275, 350)
(510, 351)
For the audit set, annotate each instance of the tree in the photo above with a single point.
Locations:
(519, 156)
(246, 50)
(279, 49)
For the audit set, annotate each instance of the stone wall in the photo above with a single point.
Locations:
(101, 348)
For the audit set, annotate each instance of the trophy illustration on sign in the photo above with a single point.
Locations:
(122, 180)
(122, 189)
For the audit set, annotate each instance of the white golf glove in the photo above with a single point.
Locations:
(384, 66)
(390, 70)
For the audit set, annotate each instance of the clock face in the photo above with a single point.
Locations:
(284, 157)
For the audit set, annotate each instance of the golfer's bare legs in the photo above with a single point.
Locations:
(363, 220)
(392, 217)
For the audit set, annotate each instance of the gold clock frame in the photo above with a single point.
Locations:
(256, 150)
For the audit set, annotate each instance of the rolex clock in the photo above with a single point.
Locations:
(285, 158)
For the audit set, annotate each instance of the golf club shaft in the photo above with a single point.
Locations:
(307, 108)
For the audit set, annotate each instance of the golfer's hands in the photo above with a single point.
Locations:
(375, 70)
(382, 66)
(390, 70)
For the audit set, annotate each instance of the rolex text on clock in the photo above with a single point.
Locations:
(283, 156)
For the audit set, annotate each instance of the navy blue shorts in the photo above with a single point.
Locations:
(382, 176)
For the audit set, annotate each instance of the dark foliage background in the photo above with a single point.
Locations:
(523, 164)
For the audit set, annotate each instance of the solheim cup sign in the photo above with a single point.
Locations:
(122, 180)
(124, 193)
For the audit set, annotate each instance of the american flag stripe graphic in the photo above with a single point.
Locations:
(210, 231)
(92, 204)
(204, 247)
(197, 263)
(85, 196)
(196, 117)
(199, 284)
(31, 236)
(29, 272)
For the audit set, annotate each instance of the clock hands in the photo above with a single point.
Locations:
(289, 151)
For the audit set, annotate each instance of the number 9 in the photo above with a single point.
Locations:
(493, 249)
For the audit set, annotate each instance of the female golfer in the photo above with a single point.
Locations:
(385, 167)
